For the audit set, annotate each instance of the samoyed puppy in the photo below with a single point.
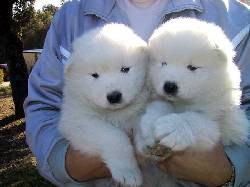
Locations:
(104, 97)
(196, 88)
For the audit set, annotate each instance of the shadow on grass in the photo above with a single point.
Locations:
(12, 139)
(23, 177)
(9, 119)
(10, 126)
(17, 165)
(5, 92)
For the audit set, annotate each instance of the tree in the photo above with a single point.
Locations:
(34, 33)
(14, 15)
(46, 14)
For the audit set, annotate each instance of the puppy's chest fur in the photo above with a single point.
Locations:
(184, 107)
(215, 112)
(126, 120)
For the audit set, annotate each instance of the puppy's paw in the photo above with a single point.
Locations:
(154, 110)
(127, 176)
(142, 144)
(146, 136)
(173, 132)
(146, 126)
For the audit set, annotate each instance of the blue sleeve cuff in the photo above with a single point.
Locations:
(240, 158)
(56, 161)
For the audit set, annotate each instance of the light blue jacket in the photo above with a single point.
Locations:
(42, 106)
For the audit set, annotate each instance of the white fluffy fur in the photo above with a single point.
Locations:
(205, 109)
(88, 120)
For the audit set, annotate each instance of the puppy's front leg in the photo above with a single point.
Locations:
(145, 133)
(96, 137)
(187, 130)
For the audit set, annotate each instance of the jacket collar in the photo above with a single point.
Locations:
(99, 8)
(180, 5)
(105, 8)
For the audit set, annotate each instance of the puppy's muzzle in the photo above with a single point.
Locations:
(114, 97)
(170, 88)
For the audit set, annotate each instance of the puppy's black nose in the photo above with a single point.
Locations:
(170, 88)
(114, 97)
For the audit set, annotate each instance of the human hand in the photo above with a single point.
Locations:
(83, 167)
(208, 168)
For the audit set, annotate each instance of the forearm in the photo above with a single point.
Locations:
(84, 167)
(240, 155)
(42, 106)
(70, 167)
(41, 136)
(210, 168)
(240, 158)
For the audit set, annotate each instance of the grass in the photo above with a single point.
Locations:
(17, 164)
(5, 91)
(1, 76)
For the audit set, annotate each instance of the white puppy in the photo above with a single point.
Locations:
(104, 96)
(192, 68)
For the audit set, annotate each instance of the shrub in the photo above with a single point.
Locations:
(1, 76)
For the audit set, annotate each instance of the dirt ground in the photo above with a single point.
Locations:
(17, 164)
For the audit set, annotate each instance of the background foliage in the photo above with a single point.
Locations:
(32, 25)
(33, 33)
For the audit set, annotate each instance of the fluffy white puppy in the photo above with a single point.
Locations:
(104, 95)
(191, 67)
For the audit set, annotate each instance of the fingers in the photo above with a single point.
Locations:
(169, 167)
(199, 167)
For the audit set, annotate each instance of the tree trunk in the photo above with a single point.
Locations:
(11, 54)
(18, 73)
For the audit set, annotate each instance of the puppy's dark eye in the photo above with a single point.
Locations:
(95, 75)
(192, 68)
(164, 64)
(125, 69)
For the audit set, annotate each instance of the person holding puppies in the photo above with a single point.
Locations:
(57, 160)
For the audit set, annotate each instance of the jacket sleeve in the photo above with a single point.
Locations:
(42, 106)
(240, 156)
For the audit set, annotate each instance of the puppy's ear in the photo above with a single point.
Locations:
(225, 54)
(220, 53)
